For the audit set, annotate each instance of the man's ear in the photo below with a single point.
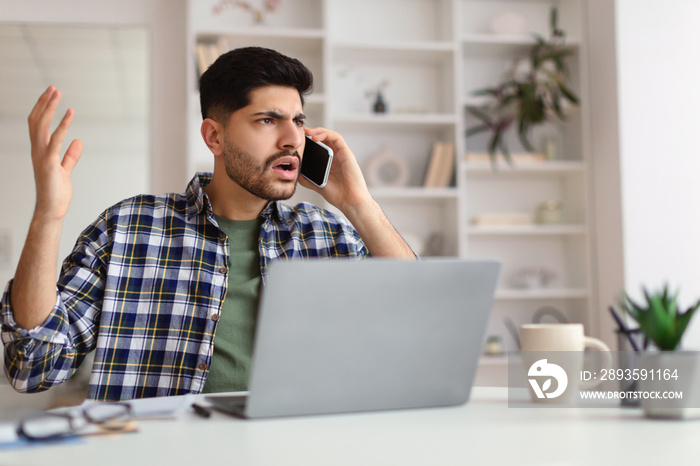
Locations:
(213, 135)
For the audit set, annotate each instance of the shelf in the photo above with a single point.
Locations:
(504, 46)
(479, 101)
(510, 40)
(543, 293)
(488, 360)
(300, 43)
(415, 193)
(507, 230)
(383, 53)
(395, 46)
(439, 119)
(261, 33)
(554, 166)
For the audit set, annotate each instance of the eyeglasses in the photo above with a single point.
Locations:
(53, 425)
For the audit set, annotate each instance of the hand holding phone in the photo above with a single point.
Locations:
(316, 162)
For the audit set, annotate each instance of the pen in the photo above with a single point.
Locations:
(201, 410)
(624, 329)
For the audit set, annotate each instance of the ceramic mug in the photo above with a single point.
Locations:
(555, 352)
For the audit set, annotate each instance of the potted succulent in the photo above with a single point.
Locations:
(532, 92)
(666, 370)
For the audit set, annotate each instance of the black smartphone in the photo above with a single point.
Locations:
(316, 163)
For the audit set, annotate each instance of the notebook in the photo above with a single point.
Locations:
(341, 336)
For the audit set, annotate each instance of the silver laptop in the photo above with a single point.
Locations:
(340, 336)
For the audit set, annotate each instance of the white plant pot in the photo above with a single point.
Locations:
(660, 368)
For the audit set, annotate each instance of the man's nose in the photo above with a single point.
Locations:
(292, 136)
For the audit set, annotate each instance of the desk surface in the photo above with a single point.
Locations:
(483, 432)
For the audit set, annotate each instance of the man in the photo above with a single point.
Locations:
(165, 288)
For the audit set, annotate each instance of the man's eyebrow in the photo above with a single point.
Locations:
(278, 116)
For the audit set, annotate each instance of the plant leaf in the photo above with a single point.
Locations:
(506, 152)
(682, 320)
(660, 319)
(477, 129)
(481, 115)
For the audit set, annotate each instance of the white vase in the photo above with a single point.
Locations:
(670, 372)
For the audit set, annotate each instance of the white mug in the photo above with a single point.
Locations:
(555, 351)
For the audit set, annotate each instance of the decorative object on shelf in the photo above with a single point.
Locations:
(379, 105)
(386, 168)
(440, 165)
(549, 213)
(662, 321)
(503, 219)
(532, 278)
(257, 12)
(494, 346)
(550, 147)
(509, 23)
(513, 331)
(435, 246)
(528, 96)
(550, 311)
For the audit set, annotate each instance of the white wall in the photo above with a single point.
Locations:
(604, 145)
(166, 22)
(657, 47)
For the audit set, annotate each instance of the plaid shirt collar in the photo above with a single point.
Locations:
(199, 203)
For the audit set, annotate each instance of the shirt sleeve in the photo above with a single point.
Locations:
(37, 359)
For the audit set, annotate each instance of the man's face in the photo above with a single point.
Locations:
(263, 141)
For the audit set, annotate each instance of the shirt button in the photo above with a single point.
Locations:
(202, 367)
(215, 317)
(223, 270)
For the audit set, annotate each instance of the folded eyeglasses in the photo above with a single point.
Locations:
(51, 425)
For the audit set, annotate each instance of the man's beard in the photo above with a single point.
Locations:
(241, 167)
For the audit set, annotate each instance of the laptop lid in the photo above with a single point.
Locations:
(338, 336)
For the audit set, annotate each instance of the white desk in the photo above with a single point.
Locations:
(483, 432)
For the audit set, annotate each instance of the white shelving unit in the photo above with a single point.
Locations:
(431, 55)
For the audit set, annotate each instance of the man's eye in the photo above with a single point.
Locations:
(266, 121)
(300, 123)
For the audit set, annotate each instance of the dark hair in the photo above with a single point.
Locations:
(226, 85)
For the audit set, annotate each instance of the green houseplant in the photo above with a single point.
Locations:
(660, 318)
(669, 370)
(528, 95)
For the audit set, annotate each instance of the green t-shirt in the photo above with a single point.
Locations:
(235, 329)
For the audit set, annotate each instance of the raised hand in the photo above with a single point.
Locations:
(54, 189)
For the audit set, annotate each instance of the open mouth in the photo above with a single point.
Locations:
(286, 167)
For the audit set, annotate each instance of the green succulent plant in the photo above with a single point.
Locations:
(660, 319)
(528, 98)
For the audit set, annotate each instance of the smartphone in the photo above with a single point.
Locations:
(316, 163)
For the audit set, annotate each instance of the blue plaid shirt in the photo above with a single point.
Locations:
(144, 286)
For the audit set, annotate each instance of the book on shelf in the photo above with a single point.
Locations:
(518, 157)
(441, 165)
(208, 52)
